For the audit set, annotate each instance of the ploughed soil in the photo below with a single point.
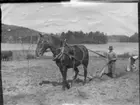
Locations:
(38, 82)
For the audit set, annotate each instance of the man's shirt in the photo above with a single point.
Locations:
(111, 56)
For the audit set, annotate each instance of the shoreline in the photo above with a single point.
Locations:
(119, 48)
(30, 54)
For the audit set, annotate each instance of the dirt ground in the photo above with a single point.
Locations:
(38, 82)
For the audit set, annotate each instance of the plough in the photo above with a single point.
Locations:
(98, 73)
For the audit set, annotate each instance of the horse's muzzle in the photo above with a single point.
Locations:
(38, 54)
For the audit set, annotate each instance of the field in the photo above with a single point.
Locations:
(38, 82)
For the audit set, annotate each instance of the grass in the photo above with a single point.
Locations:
(23, 54)
(27, 54)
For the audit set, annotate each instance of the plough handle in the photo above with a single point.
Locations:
(97, 53)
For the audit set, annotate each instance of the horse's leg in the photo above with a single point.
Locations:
(85, 73)
(61, 71)
(76, 73)
(75, 76)
(65, 83)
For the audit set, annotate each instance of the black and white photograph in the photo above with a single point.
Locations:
(70, 53)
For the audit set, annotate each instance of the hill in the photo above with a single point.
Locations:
(118, 38)
(123, 38)
(134, 38)
(12, 33)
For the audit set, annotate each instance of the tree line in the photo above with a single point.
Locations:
(16, 34)
(72, 38)
(79, 37)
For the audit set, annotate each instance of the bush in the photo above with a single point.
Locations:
(30, 56)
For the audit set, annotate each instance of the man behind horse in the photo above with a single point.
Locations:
(112, 62)
(111, 57)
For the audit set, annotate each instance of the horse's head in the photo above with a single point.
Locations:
(42, 45)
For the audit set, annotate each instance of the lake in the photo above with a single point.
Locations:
(119, 48)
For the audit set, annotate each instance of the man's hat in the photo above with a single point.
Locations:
(110, 48)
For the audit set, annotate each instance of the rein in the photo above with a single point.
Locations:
(62, 52)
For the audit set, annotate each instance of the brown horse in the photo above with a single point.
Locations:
(74, 55)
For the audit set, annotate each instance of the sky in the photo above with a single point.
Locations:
(110, 18)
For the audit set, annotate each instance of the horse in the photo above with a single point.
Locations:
(74, 56)
(6, 55)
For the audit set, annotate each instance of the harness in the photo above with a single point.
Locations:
(62, 52)
(69, 55)
(73, 56)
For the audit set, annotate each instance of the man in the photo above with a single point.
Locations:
(132, 63)
(111, 56)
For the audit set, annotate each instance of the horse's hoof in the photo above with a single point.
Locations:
(68, 86)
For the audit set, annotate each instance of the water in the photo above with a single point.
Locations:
(119, 48)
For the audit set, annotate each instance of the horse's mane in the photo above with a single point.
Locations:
(56, 39)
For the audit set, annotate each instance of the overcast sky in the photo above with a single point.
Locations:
(110, 18)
